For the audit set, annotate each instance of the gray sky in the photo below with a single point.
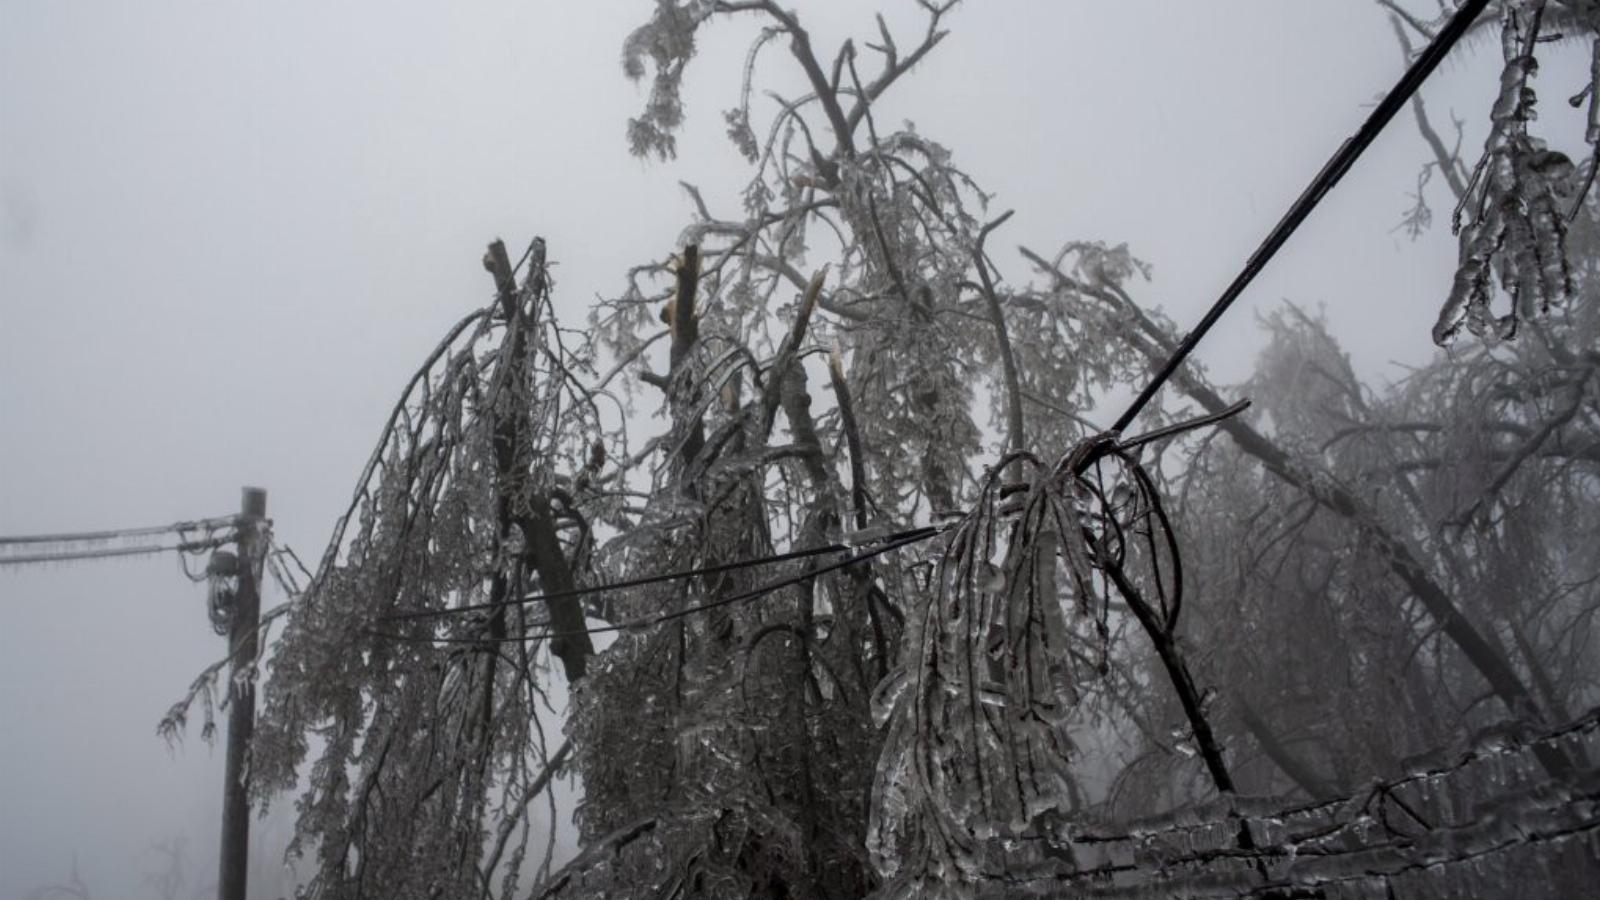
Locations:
(229, 231)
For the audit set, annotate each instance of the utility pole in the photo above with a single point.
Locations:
(242, 646)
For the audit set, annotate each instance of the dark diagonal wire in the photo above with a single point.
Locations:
(1331, 173)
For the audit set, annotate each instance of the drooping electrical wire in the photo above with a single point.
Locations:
(1332, 171)
(755, 593)
(111, 552)
(114, 534)
(909, 535)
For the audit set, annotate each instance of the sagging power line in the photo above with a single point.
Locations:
(907, 536)
(1332, 171)
(195, 536)
(755, 593)
(234, 602)
(115, 533)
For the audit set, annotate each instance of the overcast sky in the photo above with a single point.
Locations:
(229, 231)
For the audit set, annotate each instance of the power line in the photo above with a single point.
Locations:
(107, 552)
(1325, 180)
(647, 621)
(909, 535)
(116, 533)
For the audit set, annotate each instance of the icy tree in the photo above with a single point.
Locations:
(424, 748)
(1482, 464)
(854, 651)
(1513, 205)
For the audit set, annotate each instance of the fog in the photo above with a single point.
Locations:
(229, 232)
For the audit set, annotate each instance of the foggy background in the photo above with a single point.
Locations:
(229, 232)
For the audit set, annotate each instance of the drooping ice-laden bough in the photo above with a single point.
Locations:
(1520, 195)
(405, 693)
(990, 669)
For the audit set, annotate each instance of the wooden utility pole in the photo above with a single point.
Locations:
(242, 647)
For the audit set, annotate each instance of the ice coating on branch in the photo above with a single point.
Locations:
(1516, 236)
(975, 748)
